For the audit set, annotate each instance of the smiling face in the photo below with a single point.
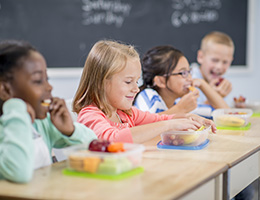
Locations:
(215, 60)
(122, 88)
(30, 83)
(178, 84)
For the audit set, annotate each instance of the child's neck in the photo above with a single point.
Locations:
(168, 97)
(115, 118)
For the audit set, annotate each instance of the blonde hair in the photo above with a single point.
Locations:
(217, 38)
(105, 59)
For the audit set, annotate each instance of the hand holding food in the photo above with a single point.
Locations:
(191, 88)
(219, 81)
(188, 102)
(60, 116)
(190, 138)
(222, 86)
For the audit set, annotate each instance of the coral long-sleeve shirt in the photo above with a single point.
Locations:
(96, 120)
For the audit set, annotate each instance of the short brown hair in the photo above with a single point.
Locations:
(105, 59)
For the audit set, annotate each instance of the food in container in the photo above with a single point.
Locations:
(234, 117)
(185, 138)
(81, 159)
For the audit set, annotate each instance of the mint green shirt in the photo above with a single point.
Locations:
(16, 140)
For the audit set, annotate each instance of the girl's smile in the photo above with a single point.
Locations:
(30, 83)
(122, 88)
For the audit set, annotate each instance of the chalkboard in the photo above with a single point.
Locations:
(65, 30)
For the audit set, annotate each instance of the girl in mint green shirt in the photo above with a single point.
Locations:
(32, 122)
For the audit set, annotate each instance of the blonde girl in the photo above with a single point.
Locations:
(107, 90)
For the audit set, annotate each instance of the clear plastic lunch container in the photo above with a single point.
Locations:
(82, 160)
(254, 105)
(233, 117)
(185, 138)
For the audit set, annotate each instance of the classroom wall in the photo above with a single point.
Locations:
(245, 83)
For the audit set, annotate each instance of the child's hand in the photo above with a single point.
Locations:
(189, 101)
(202, 121)
(223, 88)
(60, 116)
(197, 82)
(31, 111)
(184, 124)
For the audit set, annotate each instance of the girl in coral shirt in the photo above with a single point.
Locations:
(106, 93)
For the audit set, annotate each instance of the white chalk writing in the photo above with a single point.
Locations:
(194, 11)
(105, 12)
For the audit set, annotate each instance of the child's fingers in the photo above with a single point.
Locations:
(194, 122)
(61, 111)
(56, 105)
(214, 129)
(193, 125)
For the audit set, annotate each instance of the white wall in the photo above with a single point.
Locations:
(248, 83)
(244, 83)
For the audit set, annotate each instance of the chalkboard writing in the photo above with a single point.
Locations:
(65, 30)
(194, 12)
(105, 12)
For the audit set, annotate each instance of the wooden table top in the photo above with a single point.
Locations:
(169, 174)
(226, 146)
(161, 179)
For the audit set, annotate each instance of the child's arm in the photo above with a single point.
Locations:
(16, 142)
(61, 129)
(146, 132)
(179, 122)
(214, 99)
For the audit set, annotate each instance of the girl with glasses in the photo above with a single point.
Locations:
(167, 80)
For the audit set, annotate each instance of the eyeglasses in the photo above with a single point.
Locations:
(184, 74)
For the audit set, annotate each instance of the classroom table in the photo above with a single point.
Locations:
(238, 149)
(161, 179)
(216, 172)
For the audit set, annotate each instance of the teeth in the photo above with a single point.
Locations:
(46, 102)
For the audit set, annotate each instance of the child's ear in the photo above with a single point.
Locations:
(200, 56)
(5, 91)
(159, 81)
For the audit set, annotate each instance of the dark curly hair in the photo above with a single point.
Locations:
(12, 54)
